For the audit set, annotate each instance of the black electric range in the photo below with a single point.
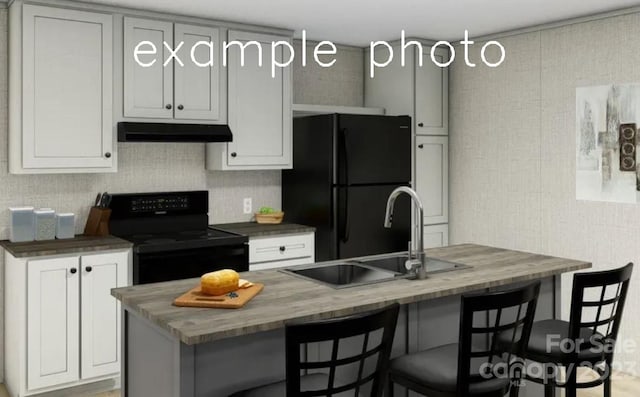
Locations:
(171, 237)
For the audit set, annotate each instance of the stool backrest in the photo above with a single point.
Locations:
(609, 288)
(485, 317)
(371, 361)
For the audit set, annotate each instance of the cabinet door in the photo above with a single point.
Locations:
(53, 324)
(432, 94)
(436, 236)
(197, 88)
(259, 105)
(432, 177)
(67, 89)
(100, 313)
(148, 83)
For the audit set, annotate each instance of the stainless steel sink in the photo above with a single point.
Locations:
(396, 264)
(367, 270)
(342, 275)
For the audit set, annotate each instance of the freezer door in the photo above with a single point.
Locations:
(360, 221)
(373, 150)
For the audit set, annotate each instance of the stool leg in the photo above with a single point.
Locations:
(572, 379)
(515, 383)
(389, 388)
(607, 386)
(549, 389)
(550, 380)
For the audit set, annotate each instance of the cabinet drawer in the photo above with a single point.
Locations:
(280, 248)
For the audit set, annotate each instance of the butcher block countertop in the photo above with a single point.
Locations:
(287, 298)
(76, 245)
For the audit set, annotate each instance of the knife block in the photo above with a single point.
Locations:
(98, 222)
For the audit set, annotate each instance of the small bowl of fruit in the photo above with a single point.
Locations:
(269, 215)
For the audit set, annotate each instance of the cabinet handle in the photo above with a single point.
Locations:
(180, 107)
(107, 155)
(421, 146)
(88, 269)
(234, 154)
(168, 106)
(73, 270)
(420, 124)
(283, 248)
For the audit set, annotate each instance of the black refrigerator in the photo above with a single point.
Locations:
(344, 168)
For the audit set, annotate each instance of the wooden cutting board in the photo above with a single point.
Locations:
(195, 298)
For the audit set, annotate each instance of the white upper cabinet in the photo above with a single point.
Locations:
(148, 84)
(196, 87)
(421, 92)
(160, 86)
(432, 181)
(259, 107)
(432, 94)
(61, 91)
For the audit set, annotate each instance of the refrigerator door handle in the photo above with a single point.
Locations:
(345, 162)
(347, 222)
(344, 143)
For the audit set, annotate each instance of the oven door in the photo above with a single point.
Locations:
(190, 263)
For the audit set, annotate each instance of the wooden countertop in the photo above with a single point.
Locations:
(79, 244)
(254, 229)
(288, 298)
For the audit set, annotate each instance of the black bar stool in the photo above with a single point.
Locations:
(474, 366)
(588, 339)
(321, 378)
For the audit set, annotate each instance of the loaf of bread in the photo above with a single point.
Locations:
(219, 282)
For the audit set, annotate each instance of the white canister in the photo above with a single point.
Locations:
(65, 225)
(22, 224)
(45, 221)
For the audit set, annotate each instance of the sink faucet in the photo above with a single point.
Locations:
(417, 260)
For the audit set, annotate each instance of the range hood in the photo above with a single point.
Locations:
(170, 132)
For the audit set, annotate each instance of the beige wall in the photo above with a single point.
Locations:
(512, 146)
(341, 84)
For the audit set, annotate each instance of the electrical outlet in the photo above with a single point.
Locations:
(247, 205)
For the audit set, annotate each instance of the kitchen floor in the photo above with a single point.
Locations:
(625, 386)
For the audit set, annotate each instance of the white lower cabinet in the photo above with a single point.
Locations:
(281, 251)
(100, 313)
(63, 326)
(53, 332)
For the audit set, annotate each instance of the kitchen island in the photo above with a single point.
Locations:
(174, 351)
